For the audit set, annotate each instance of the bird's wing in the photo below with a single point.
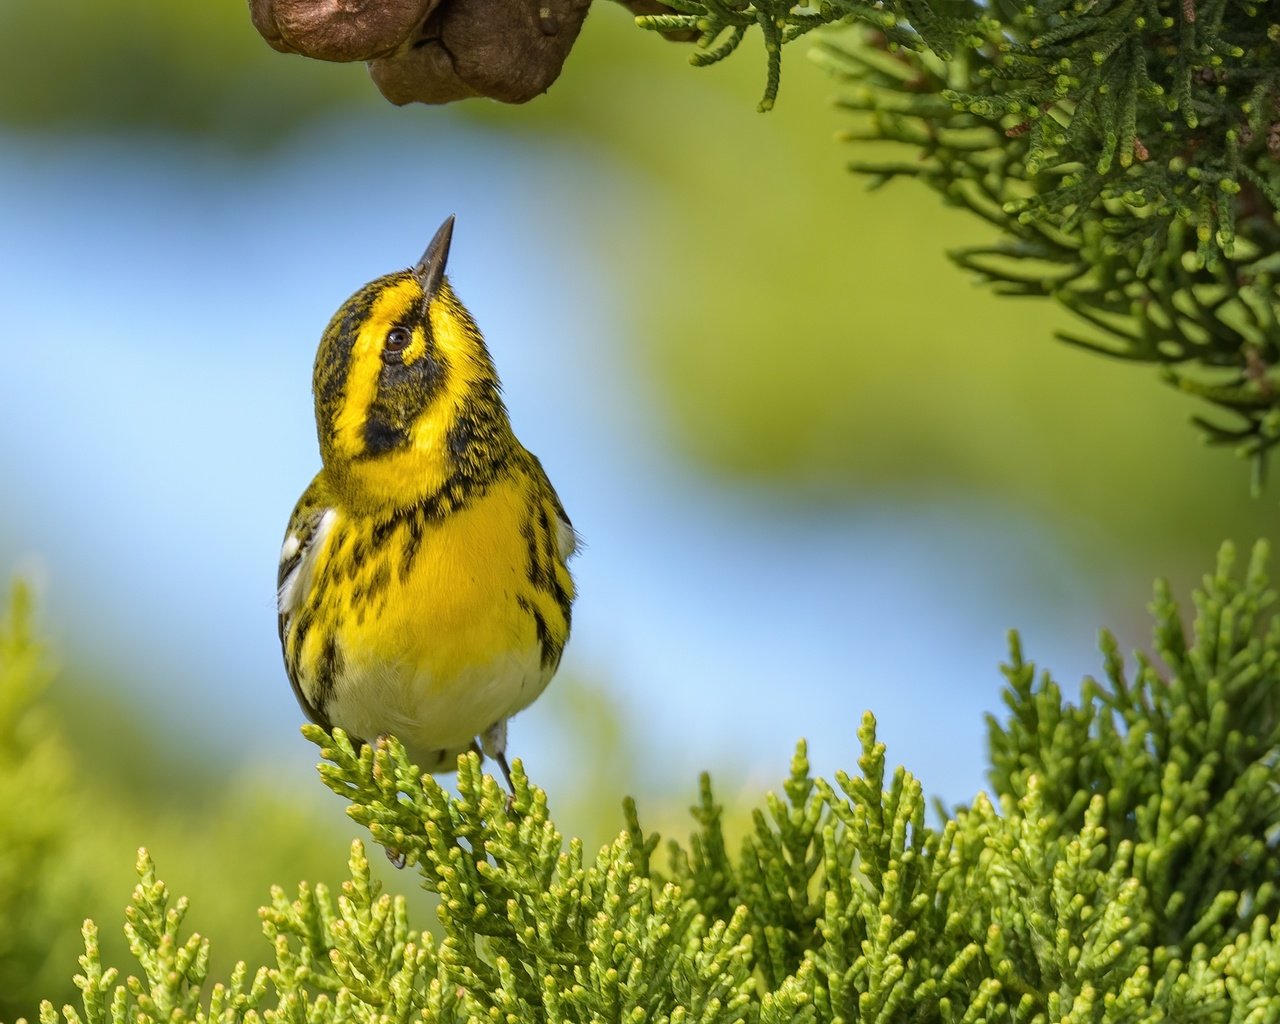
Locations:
(313, 518)
(308, 526)
(567, 540)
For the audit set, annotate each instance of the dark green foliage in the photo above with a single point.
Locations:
(723, 24)
(1184, 758)
(36, 897)
(1128, 152)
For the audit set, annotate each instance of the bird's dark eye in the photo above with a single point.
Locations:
(393, 348)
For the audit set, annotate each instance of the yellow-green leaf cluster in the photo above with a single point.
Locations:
(36, 819)
(1124, 871)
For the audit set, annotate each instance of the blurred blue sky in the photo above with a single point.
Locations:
(162, 310)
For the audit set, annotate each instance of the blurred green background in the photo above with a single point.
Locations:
(818, 470)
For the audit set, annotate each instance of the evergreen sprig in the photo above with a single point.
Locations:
(1127, 152)
(721, 25)
(1125, 872)
(1130, 160)
(37, 902)
(1184, 757)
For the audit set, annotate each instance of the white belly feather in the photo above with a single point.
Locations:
(436, 720)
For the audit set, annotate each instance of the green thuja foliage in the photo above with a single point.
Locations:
(1124, 870)
(36, 897)
(1183, 752)
(1127, 153)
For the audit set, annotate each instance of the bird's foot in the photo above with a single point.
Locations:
(493, 743)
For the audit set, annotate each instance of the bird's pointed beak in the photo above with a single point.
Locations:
(430, 269)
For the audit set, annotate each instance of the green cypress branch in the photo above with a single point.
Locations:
(37, 823)
(1182, 755)
(1128, 152)
(1126, 873)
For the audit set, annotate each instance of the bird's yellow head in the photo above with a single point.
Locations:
(406, 393)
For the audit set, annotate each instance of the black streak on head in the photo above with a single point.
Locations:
(333, 359)
(404, 393)
(380, 436)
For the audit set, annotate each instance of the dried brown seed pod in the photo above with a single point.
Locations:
(338, 30)
(438, 51)
(509, 50)
(423, 73)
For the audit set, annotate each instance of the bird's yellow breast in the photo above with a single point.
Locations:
(434, 627)
(451, 590)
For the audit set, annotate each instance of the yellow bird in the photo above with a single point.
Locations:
(424, 588)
